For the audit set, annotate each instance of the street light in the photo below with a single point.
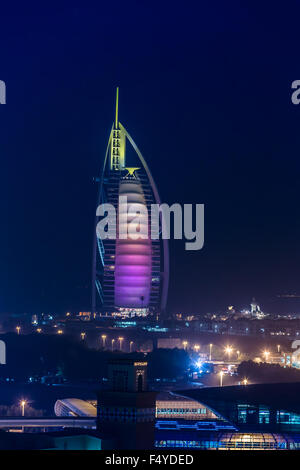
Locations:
(278, 348)
(39, 330)
(120, 342)
(18, 328)
(185, 343)
(112, 344)
(245, 381)
(267, 355)
(228, 351)
(210, 348)
(22, 405)
(83, 335)
(238, 354)
(59, 332)
(103, 340)
(221, 378)
(130, 345)
(196, 347)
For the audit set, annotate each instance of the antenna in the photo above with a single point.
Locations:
(117, 106)
(117, 141)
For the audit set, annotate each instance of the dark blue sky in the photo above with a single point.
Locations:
(204, 90)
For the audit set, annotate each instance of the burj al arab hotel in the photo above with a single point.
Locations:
(130, 276)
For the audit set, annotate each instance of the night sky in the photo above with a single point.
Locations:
(205, 91)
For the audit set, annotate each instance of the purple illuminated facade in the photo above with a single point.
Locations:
(130, 276)
(133, 264)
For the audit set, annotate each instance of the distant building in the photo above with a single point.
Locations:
(68, 439)
(75, 407)
(168, 406)
(172, 406)
(126, 411)
(266, 416)
(255, 309)
(170, 343)
(130, 276)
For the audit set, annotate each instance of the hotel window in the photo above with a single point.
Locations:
(287, 418)
(264, 416)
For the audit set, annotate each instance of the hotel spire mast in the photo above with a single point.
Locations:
(117, 108)
(118, 139)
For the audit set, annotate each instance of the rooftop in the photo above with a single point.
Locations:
(284, 396)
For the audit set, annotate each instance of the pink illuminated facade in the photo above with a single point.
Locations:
(133, 264)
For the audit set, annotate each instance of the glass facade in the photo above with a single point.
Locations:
(250, 414)
(183, 409)
(235, 441)
(285, 417)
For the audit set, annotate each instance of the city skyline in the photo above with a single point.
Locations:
(149, 251)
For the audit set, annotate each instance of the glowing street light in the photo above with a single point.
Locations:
(228, 351)
(112, 344)
(59, 332)
(278, 348)
(196, 347)
(210, 348)
(120, 342)
(238, 354)
(185, 343)
(221, 378)
(83, 335)
(245, 381)
(39, 330)
(18, 328)
(130, 345)
(267, 355)
(22, 405)
(103, 340)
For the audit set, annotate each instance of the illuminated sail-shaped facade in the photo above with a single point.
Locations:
(130, 276)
